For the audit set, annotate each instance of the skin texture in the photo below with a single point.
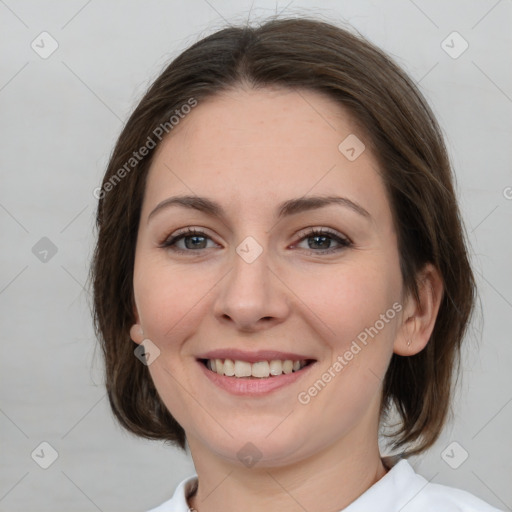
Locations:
(249, 151)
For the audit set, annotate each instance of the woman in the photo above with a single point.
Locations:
(280, 239)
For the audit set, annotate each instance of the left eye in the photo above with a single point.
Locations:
(323, 237)
(196, 240)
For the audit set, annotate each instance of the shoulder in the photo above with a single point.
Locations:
(425, 495)
(449, 499)
(400, 489)
(178, 502)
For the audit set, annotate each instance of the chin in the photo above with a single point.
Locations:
(259, 445)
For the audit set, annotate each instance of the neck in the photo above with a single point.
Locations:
(329, 480)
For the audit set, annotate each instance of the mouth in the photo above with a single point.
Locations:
(263, 369)
(253, 374)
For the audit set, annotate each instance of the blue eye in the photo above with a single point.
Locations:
(196, 240)
(322, 237)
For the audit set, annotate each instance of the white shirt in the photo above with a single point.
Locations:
(401, 489)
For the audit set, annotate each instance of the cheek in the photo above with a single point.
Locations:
(171, 304)
(355, 305)
(349, 299)
(168, 301)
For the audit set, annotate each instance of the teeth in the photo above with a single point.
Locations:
(276, 367)
(242, 369)
(260, 369)
(229, 368)
(287, 366)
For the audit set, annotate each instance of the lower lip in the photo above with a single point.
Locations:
(253, 386)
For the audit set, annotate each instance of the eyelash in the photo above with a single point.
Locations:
(170, 242)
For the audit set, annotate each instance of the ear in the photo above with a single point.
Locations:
(418, 319)
(136, 331)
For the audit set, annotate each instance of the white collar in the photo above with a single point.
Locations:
(401, 488)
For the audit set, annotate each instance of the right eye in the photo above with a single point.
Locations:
(194, 241)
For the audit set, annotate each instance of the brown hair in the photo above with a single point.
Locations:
(404, 137)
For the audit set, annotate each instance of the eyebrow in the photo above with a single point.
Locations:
(287, 208)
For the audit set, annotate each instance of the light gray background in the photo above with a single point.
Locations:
(60, 117)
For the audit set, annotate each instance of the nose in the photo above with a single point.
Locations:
(252, 295)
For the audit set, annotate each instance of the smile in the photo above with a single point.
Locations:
(253, 373)
(258, 370)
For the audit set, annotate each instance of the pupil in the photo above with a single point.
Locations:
(326, 239)
(193, 245)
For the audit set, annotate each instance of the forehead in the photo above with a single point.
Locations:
(260, 147)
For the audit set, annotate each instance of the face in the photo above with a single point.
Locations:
(269, 280)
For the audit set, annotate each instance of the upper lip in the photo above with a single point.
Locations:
(253, 357)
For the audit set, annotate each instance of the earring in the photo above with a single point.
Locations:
(409, 343)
